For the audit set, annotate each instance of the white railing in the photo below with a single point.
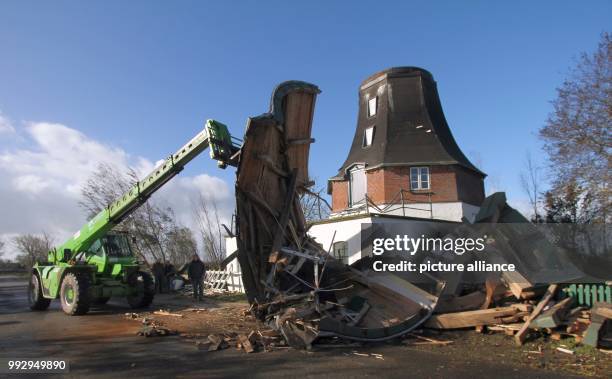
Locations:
(399, 205)
(223, 281)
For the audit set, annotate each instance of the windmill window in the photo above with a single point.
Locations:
(368, 136)
(357, 186)
(341, 251)
(419, 178)
(372, 106)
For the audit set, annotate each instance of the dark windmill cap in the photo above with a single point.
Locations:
(409, 127)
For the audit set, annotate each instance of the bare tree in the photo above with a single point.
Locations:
(104, 186)
(150, 224)
(314, 205)
(578, 134)
(32, 248)
(181, 245)
(530, 182)
(211, 230)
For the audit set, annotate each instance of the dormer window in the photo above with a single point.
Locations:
(419, 178)
(368, 136)
(372, 106)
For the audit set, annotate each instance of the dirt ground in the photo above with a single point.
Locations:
(105, 343)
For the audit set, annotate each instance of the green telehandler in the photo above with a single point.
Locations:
(97, 263)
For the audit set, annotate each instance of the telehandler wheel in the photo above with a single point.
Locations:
(143, 282)
(35, 296)
(74, 294)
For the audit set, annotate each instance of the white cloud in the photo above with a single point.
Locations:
(40, 186)
(5, 125)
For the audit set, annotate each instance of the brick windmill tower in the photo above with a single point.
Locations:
(403, 162)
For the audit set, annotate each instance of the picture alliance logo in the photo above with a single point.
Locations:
(411, 245)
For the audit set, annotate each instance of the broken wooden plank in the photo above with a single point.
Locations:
(430, 340)
(517, 283)
(248, 344)
(602, 309)
(279, 234)
(467, 302)
(521, 335)
(566, 351)
(491, 285)
(166, 313)
(554, 316)
(470, 318)
(300, 141)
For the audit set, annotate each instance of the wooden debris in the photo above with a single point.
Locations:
(491, 284)
(460, 303)
(554, 316)
(602, 309)
(566, 351)
(217, 342)
(247, 343)
(430, 340)
(470, 318)
(166, 313)
(518, 284)
(521, 335)
(377, 356)
(155, 331)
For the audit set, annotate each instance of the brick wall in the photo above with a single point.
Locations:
(339, 195)
(384, 185)
(448, 184)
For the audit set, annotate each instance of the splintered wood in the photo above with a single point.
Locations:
(293, 284)
(272, 172)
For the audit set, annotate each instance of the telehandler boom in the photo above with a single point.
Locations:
(97, 263)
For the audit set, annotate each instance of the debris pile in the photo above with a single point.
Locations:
(556, 318)
(254, 341)
(295, 286)
(298, 289)
(151, 328)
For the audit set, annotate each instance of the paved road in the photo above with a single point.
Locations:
(103, 344)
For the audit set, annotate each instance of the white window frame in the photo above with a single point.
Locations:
(364, 142)
(372, 112)
(354, 168)
(417, 183)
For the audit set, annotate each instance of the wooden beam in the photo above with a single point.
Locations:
(279, 235)
(300, 141)
(517, 283)
(521, 335)
(269, 163)
(467, 302)
(470, 318)
(554, 316)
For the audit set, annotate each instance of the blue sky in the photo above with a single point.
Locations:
(142, 76)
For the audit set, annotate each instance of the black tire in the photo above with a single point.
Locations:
(74, 294)
(143, 281)
(35, 296)
(100, 300)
